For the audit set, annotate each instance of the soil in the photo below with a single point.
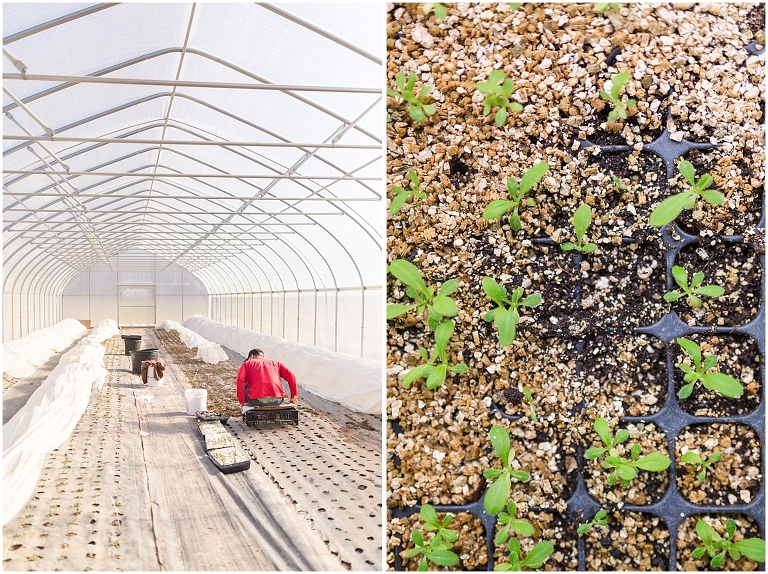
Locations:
(734, 267)
(735, 478)
(688, 541)
(738, 357)
(551, 526)
(631, 541)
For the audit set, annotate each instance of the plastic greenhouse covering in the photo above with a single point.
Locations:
(169, 160)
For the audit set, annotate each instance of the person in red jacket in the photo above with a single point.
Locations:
(258, 382)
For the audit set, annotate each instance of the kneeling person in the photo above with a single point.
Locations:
(258, 382)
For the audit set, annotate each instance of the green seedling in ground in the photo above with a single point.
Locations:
(533, 560)
(694, 289)
(438, 305)
(529, 398)
(582, 219)
(622, 468)
(618, 184)
(598, 520)
(506, 316)
(401, 195)
(614, 97)
(668, 210)
(435, 374)
(512, 525)
(701, 465)
(605, 6)
(499, 207)
(437, 550)
(720, 382)
(717, 547)
(497, 90)
(439, 9)
(498, 493)
(417, 109)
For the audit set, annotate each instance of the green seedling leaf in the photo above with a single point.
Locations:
(445, 306)
(500, 442)
(443, 557)
(407, 272)
(496, 497)
(506, 323)
(538, 554)
(395, 310)
(533, 176)
(593, 453)
(693, 350)
(653, 462)
(687, 171)
(520, 475)
(417, 537)
(449, 287)
(497, 208)
(752, 548)
(681, 276)
(710, 290)
(582, 219)
(415, 373)
(602, 430)
(691, 457)
(723, 384)
(621, 436)
(428, 514)
(704, 531)
(522, 527)
(492, 473)
(668, 210)
(436, 377)
(495, 292)
(532, 300)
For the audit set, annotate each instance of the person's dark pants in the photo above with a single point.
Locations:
(265, 402)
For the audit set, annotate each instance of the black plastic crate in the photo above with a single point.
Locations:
(265, 416)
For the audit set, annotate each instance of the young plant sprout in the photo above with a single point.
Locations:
(605, 6)
(417, 109)
(529, 398)
(401, 195)
(437, 550)
(512, 525)
(506, 318)
(439, 9)
(618, 184)
(499, 207)
(717, 547)
(597, 520)
(694, 290)
(668, 210)
(582, 219)
(435, 374)
(719, 382)
(622, 468)
(438, 306)
(533, 560)
(699, 463)
(498, 494)
(614, 97)
(497, 90)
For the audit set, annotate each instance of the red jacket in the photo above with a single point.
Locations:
(263, 377)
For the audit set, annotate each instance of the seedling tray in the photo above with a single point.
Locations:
(229, 468)
(217, 440)
(673, 507)
(266, 416)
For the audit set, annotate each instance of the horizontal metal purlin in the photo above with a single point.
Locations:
(107, 195)
(136, 224)
(217, 143)
(159, 234)
(176, 213)
(191, 175)
(188, 84)
(56, 22)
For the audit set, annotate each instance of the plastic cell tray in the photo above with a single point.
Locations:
(230, 468)
(673, 507)
(265, 416)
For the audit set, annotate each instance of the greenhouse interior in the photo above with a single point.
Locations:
(184, 183)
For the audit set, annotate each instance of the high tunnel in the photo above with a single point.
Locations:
(169, 160)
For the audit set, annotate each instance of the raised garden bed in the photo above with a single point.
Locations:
(602, 341)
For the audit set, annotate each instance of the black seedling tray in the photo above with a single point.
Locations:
(265, 416)
(231, 468)
(673, 507)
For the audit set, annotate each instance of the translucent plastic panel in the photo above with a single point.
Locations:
(169, 307)
(103, 307)
(326, 320)
(350, 322)
(307, 319)
(76, 306)
(292, 317)
(373, 325)
(136, 316)
(170, 283)
(136, 295)
(103, 283)
(17, 17)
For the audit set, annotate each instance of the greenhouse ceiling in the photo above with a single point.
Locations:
(240, 141)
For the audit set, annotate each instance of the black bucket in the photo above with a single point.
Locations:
(132, 343)
(144, 355)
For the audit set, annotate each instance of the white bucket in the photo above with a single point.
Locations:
(151, 380)
(197, 400)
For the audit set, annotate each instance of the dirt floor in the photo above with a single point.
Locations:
(133, 489)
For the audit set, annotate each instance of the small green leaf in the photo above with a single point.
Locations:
(710, 290)
(460, 368)
(407, 272)
(568, 246)
(538, 554)
(436, 377)
(520, 475)
(583, 528)
(718, 560)
(693, 350)
(417, 537)
(413, 552)
(400, 81)
(593, 453)
(496, 497)
(673, 296)
(414, 374)
(687, 171)
(654, 462)
(625, 472)
(428, 514)
(495, 292)
(704, 531)
(730, 527)
(449, 287)
(635, 452)
(681, 276)
(429, 110)
(589, 248)
(602, 430)
(490, 315)
(506, 323)
(699, 552)
(621, 436)
(691, 457)
(709, 362)
(416, 113)
(395, 310)
(712, 196)
(492, 473)
(445, 306)
(522, 527)
(501, 117)
(723, 384)
(704, 183)
(613, 116)
(533, 176)
(669, 209)
(752, 548)
(715, 457)
(500, 442)
(582, 219)
(497, 208)
(442, 557)
(698, 277)
(443, 334)
(686, 391)
(514, 221)
(397, 203)
(532, 300)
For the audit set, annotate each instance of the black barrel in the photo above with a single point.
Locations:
(132, 343)
(144, 355)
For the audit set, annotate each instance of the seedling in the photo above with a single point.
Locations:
(499, 207)
(614, 97)
(622, 468)
(668, 210)
(437, 306)
(605, 6)
(417, 109)
(529, 398)
(702, 465)
(437, 550)
(582, 219)
(435, 374)
(694, 289)
(439, 9)
(497, 90)
(535, 558)
(498, 493)
(512, 524)
(506, 318)
(597, 520)
(717, 547)
(719, 382)
(401, 195)
(618, 184)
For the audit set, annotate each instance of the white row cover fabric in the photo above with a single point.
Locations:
(353, 383)
(50, 415)
(21, 356)
(208, 351)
